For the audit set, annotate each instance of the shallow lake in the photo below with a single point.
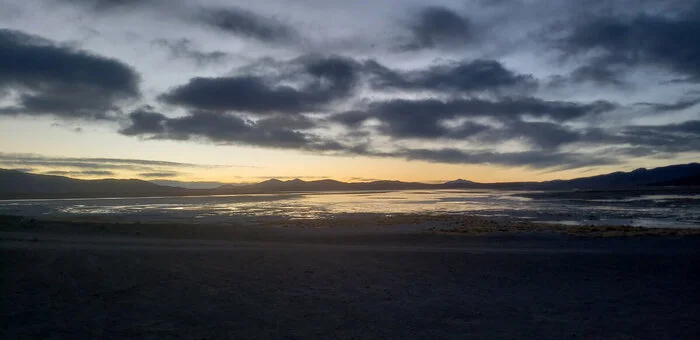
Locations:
(644, 208)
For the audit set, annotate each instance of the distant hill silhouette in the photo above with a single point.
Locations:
(639, 177)
(322, 185)
(187, 185)
(16, 184)
(459, 182)
(692, 181)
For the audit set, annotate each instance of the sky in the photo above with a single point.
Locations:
(414, 90)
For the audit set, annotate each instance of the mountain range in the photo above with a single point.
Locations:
(17, 185)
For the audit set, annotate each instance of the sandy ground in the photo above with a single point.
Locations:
(392, 280)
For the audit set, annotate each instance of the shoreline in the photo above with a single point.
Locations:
(176, 192)
(278, 227)
(608, 209)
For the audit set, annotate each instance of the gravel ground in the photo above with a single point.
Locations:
(287, 283)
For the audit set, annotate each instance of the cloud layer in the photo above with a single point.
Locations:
(49, 79)
(586, 86)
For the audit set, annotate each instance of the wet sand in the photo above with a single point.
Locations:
(395, 278)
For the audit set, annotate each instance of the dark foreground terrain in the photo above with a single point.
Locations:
(350, 284)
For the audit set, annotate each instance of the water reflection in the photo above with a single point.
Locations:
(667, 210)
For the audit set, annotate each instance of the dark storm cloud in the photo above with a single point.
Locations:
(247, 24)
(61, 81)
(668, 42)
(217, 130)
(236, 21)
(532, 159)
(505, 108)
(144, 122)
(435, 26)
(427, 128)
(227, 129)
(540, 135)
(545, 138)
(183, 49)
(464, 76)
(422, 118)
(597, 72)
(324, 81)
(677, 106)
(108, 5)
(670, 138)
(244, 93)
(633, 140)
